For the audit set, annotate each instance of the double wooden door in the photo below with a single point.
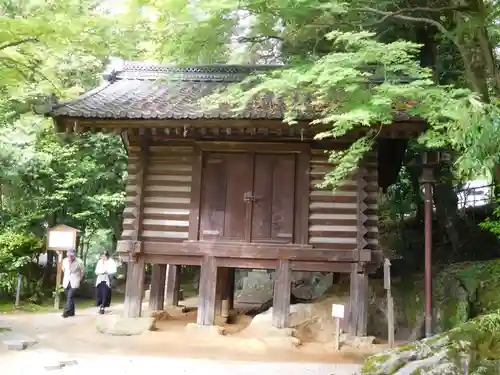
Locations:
(248, 197)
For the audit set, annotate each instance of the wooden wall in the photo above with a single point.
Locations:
(333, 217)
(167, 193)
(333, 220)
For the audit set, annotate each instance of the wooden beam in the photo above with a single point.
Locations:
(405, 128)
(281, 294)
(172, 285)
(262, 147)
(194, 212)
(302, 181)
(157, 291)
(244, 250)
(337, 267)
(185, 260)
(247, 263)
(134, 289)
(208, 280)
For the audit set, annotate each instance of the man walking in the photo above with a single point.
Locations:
(73, 274)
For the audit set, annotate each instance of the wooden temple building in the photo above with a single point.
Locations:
(221, 192)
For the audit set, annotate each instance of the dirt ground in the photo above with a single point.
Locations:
(79, 335)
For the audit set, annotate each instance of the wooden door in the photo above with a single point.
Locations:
(248, 197)
(225, 179)
(273, 205)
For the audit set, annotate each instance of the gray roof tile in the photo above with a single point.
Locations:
(137, 90)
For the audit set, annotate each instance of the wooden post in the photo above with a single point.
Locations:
(208, 282)
(336, 337)
(222, 292)
(281, 294)
(172, 285)
(337, 314)
(18, 289)
(231, 281)
(390, 302)
(358, 299)
(134, 288)
(157, 291)
(57, 296)
(358, 303)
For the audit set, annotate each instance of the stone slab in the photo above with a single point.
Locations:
(118, 326)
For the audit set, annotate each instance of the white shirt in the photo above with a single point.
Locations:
(73, 272)
(103, 269)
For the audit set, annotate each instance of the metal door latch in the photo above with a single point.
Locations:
(249, 197)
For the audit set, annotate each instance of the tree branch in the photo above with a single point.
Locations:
(32, 69)
(18, 42)
(258, 39)
(398, 15)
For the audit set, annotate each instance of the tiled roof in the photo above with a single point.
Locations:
(138, 90)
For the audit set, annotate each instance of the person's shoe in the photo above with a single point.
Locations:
(64, 315)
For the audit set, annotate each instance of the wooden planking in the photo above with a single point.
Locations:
(167, 194)
(333, 216)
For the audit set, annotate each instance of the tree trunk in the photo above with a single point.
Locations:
(446, 203)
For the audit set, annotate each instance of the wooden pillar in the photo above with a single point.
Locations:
(281, 295)
(357, 321)
(358, 303)
(157, 291)
(134, 289)
(57, 296)
(222, 292)
(172, 285)
(208, 281)
(231, 281)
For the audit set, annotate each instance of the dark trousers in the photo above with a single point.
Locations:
(103, 294)
(69, 309)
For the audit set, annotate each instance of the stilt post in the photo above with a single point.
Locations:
(281, 295)
(172, 285)
(157, 291)
(208, 281)
(134, 288)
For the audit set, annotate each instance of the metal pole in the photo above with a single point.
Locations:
(428, 250)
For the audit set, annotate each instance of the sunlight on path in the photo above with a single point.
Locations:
(33, 362)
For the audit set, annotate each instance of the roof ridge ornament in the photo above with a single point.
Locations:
(115, 66)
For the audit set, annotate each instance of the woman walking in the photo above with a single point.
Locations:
(105, 271)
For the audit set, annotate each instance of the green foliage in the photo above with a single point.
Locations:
(46, 179)
(472, 347)
(493, 223)
(17, 250)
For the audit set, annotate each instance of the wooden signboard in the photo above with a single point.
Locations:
(59, 239)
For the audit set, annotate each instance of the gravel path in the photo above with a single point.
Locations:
(45, 361)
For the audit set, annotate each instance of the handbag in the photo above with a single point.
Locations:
(112, 281)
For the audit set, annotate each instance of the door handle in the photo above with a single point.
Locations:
(249, 197)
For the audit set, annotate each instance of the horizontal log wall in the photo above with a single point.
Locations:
(167, 194)
(333, 216)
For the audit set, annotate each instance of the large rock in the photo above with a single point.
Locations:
(256, 286)
(312, 322)
(470, 348)
(118, 326)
